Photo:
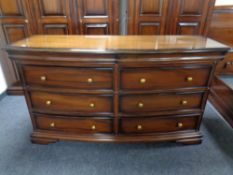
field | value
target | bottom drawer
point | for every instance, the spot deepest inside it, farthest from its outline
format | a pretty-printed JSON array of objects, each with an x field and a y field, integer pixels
[
  {"x": 152, "y": 125},
  {"x": 79, "y": 125}
]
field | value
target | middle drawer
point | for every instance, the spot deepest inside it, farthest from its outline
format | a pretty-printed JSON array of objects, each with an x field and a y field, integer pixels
[
  {"x": 68, "y": 103},
  {"x": 159, "y": 102}
]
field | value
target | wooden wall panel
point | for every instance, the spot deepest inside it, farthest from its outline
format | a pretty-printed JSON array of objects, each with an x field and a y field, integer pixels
[
  {"x": 221, "y": 29},
  {"x": 97, "y": 17},
  {"x": 147, "y": 17},
  {"x": 53, "y": 16},
  {"x": 221, "y": 26},
  {"x": 190, "y": 17},
  {"x": 15, "y": 20}
]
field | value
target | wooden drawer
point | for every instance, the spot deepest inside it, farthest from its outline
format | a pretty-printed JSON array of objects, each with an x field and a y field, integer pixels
[
  {"x": 80, "y": 125},
  {"x": 151, "y": 125},
  {"x": 226, "y": 66},
  {"x": 69, "y": 77},
  {"x": 159, "y": 102},
  {"x": 162, "y": 78},
  {"x": 68, "y": 103}
]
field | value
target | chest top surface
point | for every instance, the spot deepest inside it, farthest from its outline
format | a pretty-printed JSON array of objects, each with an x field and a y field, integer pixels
[{"x": 117, "y": 44}]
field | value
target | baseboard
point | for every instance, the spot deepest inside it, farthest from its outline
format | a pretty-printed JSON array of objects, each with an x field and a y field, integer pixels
[{"x": 15, "y": 89}]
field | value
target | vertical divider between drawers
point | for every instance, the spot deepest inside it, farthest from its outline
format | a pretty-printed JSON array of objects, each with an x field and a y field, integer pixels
[{"x": 116, "y": 98}]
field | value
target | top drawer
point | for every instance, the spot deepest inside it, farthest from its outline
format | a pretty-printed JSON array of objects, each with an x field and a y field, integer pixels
[
  {"x": 80, "y": 78},
  {"x": 156, "y": 78}
]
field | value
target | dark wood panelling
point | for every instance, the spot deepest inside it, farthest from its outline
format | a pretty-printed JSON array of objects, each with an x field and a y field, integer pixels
[
  {"x": 53, "y": 17},
  {"x": 97, "y": 17},
  {"x": 15, "y": 32},
  {"x": 11, "y": 8},
  {"x": 221, "y": 26},
  {"x": 147, "y": 17},
  {"x": 96, "y": 29},
  {"x": 16, "y": 24},
  {"x": 190, "y": 17},
  {"x": 183, "y": 17}
]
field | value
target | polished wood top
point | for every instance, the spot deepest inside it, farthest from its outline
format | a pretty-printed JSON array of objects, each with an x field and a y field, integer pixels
[{"x": 116, "y": 44}]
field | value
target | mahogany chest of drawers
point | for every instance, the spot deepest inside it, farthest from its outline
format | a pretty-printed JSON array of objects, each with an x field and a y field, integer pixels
[{"x": 116, "y": 88}]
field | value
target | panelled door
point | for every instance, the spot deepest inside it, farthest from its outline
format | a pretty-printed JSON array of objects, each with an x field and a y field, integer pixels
[
  {"x": 97, "y": 17},
  {"x": 53, "y": 16},
  {"x": 147, "y": 17},
  {"x": 189, "y": 17},
  {"x": 15, "y": 19}
]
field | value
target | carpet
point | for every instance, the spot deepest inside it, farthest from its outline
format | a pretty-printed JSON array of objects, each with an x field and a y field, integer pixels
[{"x": 19, "y": 157}]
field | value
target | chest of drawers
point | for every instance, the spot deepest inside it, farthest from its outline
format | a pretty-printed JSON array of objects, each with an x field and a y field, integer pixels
[{"x": 116, "y": 88}]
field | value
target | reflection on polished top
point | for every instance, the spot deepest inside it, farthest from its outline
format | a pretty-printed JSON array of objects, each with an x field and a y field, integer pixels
[{"x": 105, "y": 44}]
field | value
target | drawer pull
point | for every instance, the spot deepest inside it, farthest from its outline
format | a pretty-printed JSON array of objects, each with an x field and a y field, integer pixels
[
  {"x": 43, "y": 78},
  {"x": 48, "y": 103},
  {"x": 52, "y": 125},
  {"x": 26, "y": 21},
  {"x": 139, "y": 127},
  {"x": 92, "y": 105},
  {"x": 140, "y": 105},
  {"x": 142, "y": 80},
  {"x": 184, "y": 102},
  {"x": 93, "y": 127},
  {"x": 180, "y": 125},
  {"x": 189, "y": 79},
  {"x": 90, "y": 80}
]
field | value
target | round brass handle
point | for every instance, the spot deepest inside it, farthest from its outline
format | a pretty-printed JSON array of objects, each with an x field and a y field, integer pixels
[
  {"x": 93, "y": 127},
  {"x": 26, "y": 20},
  {"x": 139, "y": 127},
  {"x": 48, "y": 102},
  {"x": 92, "y": 105},
  {"x": 190, "y": 79},
  {"x": 43, "y": 78},
  {"x": 140, "y": 105},
  {"x": 52, "y": 125},
  {"x": 90, "y": 80},
  {"x": 180, "y": 125},
  {"x": 142, "y": 80},
  {"x": 184, "y": 102}
]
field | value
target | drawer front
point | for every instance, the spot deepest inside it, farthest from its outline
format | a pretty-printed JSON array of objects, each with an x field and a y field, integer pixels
[
  {"x": 155, "y": 78},
  {"x": 151, "y": 125},
  {"x": 74, "y": 124},
  {"x": 51, "y": 102},
  {"x": 79, "y": 78},
  {"x": 158, "y": 102}
]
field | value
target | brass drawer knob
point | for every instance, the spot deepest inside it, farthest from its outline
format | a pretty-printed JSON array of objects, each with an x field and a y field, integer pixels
[
  {"x": 93, "y": 127},
  {"x": 142, "y": 80},
  {"x": 43, "y": 78},
  {"x": 52, "y": 125},
  {"x": 140, "y": 105},
  {"x": 139, "y": 127},
  {"x": 92, "y": 105},
  {"x": 189, "y": 79},
  {"x": 90, "y": 80},
  {"x": 48, "y": 102},
  {"x": 180, "y": 125},
  {"x": 184, "y": 102},
  {"x": 26, "y": 21}
]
